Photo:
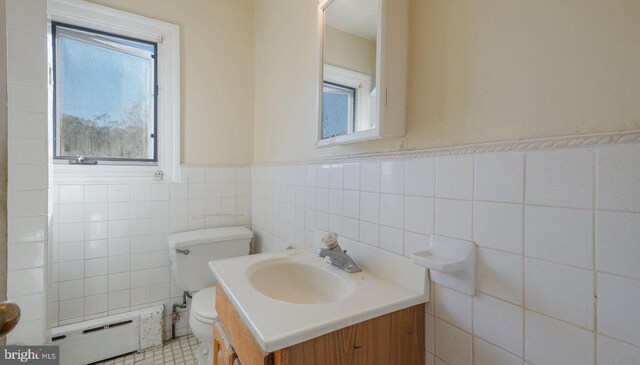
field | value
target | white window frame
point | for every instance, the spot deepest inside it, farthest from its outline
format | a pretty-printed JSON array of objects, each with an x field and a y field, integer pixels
[
  {"x": 359, "y": 81},
  {"x": 167, "y": 36}
]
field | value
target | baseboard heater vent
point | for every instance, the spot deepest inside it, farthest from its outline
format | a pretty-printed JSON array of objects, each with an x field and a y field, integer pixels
[{"x": 103, "y": 338}]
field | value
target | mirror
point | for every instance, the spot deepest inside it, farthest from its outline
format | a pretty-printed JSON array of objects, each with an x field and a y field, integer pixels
[
  {"x": 362, "y": 88},
  {"x": 349, "y": 102}
]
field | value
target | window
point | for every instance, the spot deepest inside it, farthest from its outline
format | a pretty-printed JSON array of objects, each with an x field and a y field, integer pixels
[
  {"x": 105, "y": 99},
  {"x": 117, "y": 94},
  {"x": 346, "y": 102},
  {"x": 338, "y": 109}
]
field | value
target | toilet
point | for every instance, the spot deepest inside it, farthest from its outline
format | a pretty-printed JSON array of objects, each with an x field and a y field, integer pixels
[{"x": 190, "y": 253}]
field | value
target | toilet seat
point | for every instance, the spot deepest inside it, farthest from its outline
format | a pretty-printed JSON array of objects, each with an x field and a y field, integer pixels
[{"x": 203, "y": 305}]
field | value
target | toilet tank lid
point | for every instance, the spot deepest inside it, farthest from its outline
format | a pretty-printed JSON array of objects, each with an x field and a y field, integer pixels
[{"x": 193, "y": 238}]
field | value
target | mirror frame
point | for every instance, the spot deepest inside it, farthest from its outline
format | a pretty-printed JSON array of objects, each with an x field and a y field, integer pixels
[{"x": 391, "y": 74}]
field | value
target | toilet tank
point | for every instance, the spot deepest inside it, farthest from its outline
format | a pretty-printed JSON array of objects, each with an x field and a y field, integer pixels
[{"x": 190, "y": 253}]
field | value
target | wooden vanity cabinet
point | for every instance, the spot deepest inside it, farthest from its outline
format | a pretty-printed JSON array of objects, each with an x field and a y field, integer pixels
[{"x": 394, "y": 338}]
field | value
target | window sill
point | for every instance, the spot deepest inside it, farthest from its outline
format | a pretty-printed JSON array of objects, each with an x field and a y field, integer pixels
[
  {"x": 356, "y": 137},
  {"x": 96, "y": 174}
]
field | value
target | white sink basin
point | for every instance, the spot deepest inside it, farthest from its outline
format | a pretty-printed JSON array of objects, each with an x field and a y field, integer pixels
[
  {"x": 295, "y": 282},
  {"x": 290, "y": 297}
]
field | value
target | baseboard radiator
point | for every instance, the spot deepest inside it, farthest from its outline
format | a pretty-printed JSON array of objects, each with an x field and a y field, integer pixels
[{"x": 103, "y": 338}]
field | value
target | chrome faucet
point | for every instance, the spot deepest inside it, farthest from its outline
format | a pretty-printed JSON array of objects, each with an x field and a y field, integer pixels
[{"x": 336, "y": 255}]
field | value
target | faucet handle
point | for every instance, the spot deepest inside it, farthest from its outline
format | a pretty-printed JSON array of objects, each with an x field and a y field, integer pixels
[{"x": 330, "y": 240}]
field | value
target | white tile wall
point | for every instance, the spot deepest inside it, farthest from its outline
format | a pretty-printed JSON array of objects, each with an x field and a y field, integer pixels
[
  {"x": 29, "y": 211},
  {"x": 111, "y": 250},
  {"x": 557, "y": 235}
]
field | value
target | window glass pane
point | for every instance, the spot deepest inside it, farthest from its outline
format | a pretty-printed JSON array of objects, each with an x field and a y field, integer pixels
[
  {"x": 337, "y": 110},
  {"x": 105, "y": 97}
]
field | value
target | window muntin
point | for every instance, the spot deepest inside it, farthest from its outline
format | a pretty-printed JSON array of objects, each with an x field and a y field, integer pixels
[{"x": 105, "y": 96}]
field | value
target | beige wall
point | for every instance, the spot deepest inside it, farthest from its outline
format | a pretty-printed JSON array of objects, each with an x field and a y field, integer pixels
[
  {"x": 348, "y": 51},
  {"x": 478, "y": 72},
  {"x": 217, "y": 81}
]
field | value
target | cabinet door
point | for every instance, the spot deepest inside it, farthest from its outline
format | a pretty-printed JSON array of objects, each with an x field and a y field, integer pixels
[
  {"x": 341, "y": 347},
  {"x": 395, "y": 338}
]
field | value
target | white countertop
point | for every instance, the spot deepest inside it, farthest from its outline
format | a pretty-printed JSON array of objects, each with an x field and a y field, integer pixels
[{"x": 387, "y": 283}]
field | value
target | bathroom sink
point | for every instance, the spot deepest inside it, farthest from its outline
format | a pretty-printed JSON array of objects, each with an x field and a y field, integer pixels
[
  {"x": 297, "y": 282},
  {"x": 288, "y": 297}
]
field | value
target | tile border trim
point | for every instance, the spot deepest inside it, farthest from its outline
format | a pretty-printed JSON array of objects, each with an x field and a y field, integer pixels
[{"x": 533, "y": 144}]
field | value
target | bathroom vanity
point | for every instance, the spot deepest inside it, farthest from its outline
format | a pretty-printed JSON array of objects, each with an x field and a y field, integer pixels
[
  {"x": 293, "y": 308},
  {"x": 394, "y": 338}
]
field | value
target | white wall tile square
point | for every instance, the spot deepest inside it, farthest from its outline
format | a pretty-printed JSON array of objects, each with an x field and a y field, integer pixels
[
  {"x": 96, "y": 212},
  {"x": 454, "y": 177},
  {"x": 617, "y": 247},
  {"x": 95, "y": 304},
  {"x": 25, "y": 255},
  {"x": 560, "y": 178},
  {"x": 26, "y": 150},
  {"x": 618, "y": 314},
  {"x": 454, "y": 307},
  {"x": 500, "y": 274},
  {"x": 392, "y": 177},
  {"x": 96, "y": 194},
  {"x": 352, "y": 176},
  {"x": 420, "y": 177},
  {"x": 392, "y": 210},
  {"x": 351, "y": 228},
  {"x": 498, "y": 226},
  {"x": 562, "y": 292},
  {"x": 486, "y": 354},
  {"x": 336, "y": 177},
  {"x": 322, "y": 199},
  {"x": 499, "y": 177},
  {"x": 179, "y": 191},
  {"x": 70, "y": 252},
  {"x": 391, "y": 239},
  {"x": 72, "y": 308},
  {"x": 454, "y": 218},
  {"x": 118, "y": 299},
  {"x": 95, "y": 285},
  {"x": 322, "y": 177},
  {"x": 370, "y": 176},
  {"x": 612, "y": 352},
  {"x": 548, "y": 341},
  {"x": 142, "y": 192},
  {"x": 370, "y": 234},
  {"x": 351, "y": 204},
  {"x": 160, "y": 192},
  {"x": 25, "y": 282},
  {"x": 560, "y": 235},
  {"x": 618, "y": 173},
  {"x": 119, "y": 193},
  {"x": 370, "y": 207},
  {"x": 71, "y": 289},
  {"x": 71, "y": 194},
  {"x": 96, "y": 230},
  {"x": 118, "y": 211},
  {"x": 97, "y": 267},
  {"x": 418, "y": 214},
  {"x": 118, "y": 281},
  {"x": 499, "y": 323},
  {"x": 453, "y": 345}
]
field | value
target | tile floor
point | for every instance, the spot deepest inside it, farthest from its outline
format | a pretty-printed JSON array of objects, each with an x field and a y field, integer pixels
[{"x": 179, "y": 351}]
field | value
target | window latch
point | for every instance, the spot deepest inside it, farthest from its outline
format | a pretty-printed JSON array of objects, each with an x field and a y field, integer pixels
[{"x": 82, "y": 161}]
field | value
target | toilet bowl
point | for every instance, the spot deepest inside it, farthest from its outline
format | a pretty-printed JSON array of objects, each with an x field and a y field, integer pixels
[
  {"x": 201, "y": 317},
  {"x": 190, "y": 253}
]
